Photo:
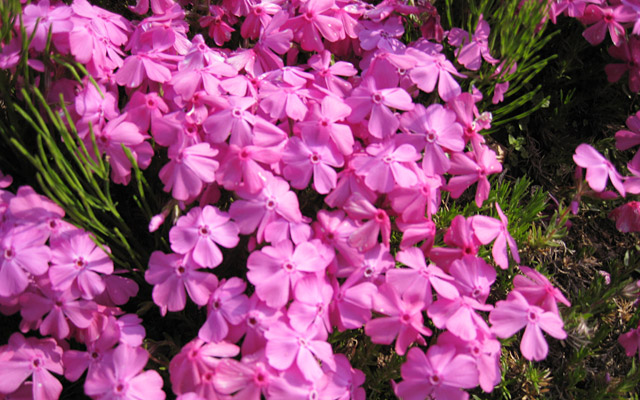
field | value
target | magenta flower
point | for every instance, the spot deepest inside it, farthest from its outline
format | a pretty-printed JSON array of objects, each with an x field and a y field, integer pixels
[
  {"x": 419, "y": 278},
  {"x": 440, "y": 131},
  {"x": 228, "y": 305},
  {"x": 23, "y": 253},
  {"x": 459, "y": 316},
  {"x": 509, "y": 316},
  {"x": 171, "y": 274},
  {"x": 188, "y": 170},
  {"x": 76, "y": 261},
  {"x": 403, "y": 319},
  {"x": 630, "y": 341},
  {"x": 434, "y": 68},
  {"x": 60, "y": 308},
  {"x": 57, "y": 19},
  {"x": 30, "y": 357},
  {"x": 626, "y": 139},
  {"x": 352, "y": 302},
  {"x": 487, "y": 229},
  {"x": 470, "y": 168},
  {"x": 473, "y": 277},
  {"x": 248, "y": 379},
  {"x": 605, "y": 19},
  {"x": 322, "y": 124},
  {"x": 314, "y": 23},
  {"x": 257, "y": 211},
  {"x": 599, "y": 169},
  {"x": 627, "y": 217},
  {"x": 275, "y": 270},
  {"x": 471, "y": 53},
  {"x": 366, "y": 236},
  {"x": 306, "y": 156},
  {"x": 121, "y": 377},
  {"x": 440, "y": 374},
  {"x": 194, "y": 368},
  {"x": 388, "y": 164},
  {"x": 287, "y": 347},
  {"x": 538, "y": 291},
  {"x": 376, "y": 100},
  {"x": 198, "y": 232},
  {"x": 381, "y": 35}
]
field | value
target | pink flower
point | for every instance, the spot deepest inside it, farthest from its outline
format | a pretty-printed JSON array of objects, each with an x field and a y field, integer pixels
[
  {"x": 228, "y": 305},
  {"x": 419, "y": 278},
  {"x": 275, "y": 201},
  {"x": 286, "y": 347},
  {"x": 275, "y": 270},
  {"x": 315, "y": 23},
  {"x": 60, "y": 308},
  {"x": 440, "y": 374},
  {"x": 171, "y": 274},
  {"x": 440, "y": 131},
  {"x": 599, "y": 169},
  {"x": 121, "y": 377},
  {"x": 388, "y": 165},
  {"x": 471, "y": 52},
  {"x": 509, "y": 316},
  {"x": 606, "y": 18},
  {"x": 487, "y": 229},
  {"x": 366, "y": 236},
  {"x": 188, "y": 170},
  {"x": 306, "y": 156},
  {"x": 538, "y": 291},
  {"x": 23, "y": 252},
  {"x": 39, "y": 18},
  {"x": 76, "y": 262},
  {"x": 626, "y": 139},
  {"x": 198, "y": 232},
  {"x": 630, "y": 341},
  {"x": 30, "y": 357},
  {"x": 193, "y": 369},
  {"x": 470, "y": 168},
  {"x": 376, "y": 100},
  {"x": 627, "y": 217},
  {"x": 247, "y": 379},
  {"x": 403, "y": 319}
]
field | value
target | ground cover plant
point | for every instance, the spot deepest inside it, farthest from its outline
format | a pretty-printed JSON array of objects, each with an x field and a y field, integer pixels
[{"x": 319, "y": 199}]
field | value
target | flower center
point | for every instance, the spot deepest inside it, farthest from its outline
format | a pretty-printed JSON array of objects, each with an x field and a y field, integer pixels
[
  {"x": 532, "y": 316},
  {"x": 271, "y": 204},
  {"x": 377, "y": 98},
  {"x": 405, "y": 318},
  {"x": 9, "y": 253},
  {"x": 314, "y": 158},
  {"x": 80, "y": 262},
  {"x": 36, "y": 363},
  {"x": 236, "y": 112},
  {"x": 288, "y": 267},
  {"x": 181, "y": 270},
  {"x": 435, "y": 380},
  {"x": 151, "y": 103},
  {"x": 431, "y": 136},
  {"x": 203, "y": 230},
  {"x": 380, "y": 216}
]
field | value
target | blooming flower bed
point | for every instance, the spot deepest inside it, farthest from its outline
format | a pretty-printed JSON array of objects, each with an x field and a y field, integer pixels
[{"x": 236, "y": 194}]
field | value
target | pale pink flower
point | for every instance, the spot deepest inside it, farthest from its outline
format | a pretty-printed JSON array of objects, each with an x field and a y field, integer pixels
[
  {"x": 627, "y": 217},
  {"x": 23, "y": 253}
]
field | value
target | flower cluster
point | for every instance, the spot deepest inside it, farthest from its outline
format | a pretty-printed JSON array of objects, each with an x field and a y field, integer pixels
[{"x": 325, "y": 99}]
